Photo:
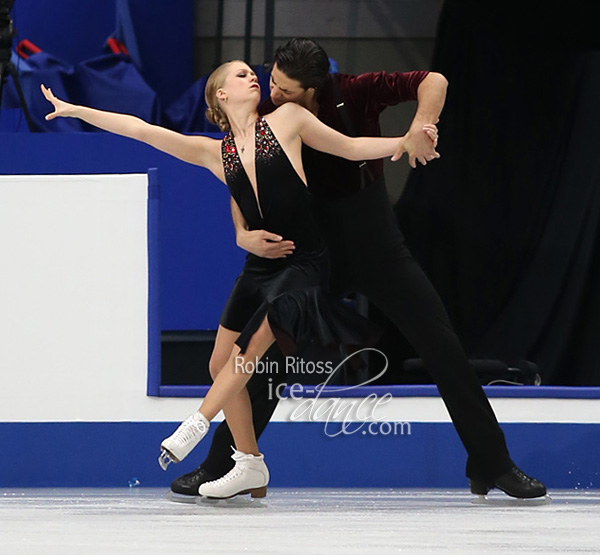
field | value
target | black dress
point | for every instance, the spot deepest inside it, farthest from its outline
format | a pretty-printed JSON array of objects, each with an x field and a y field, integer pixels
[{"x": 291, "y": 292}]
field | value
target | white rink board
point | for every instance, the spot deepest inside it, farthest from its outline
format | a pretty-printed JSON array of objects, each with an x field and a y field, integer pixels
[{"x": 74, "y": 294}]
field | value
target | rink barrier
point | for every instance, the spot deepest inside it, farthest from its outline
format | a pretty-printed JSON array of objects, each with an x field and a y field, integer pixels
[
  {"x": 525, "y": 391},
  {"x": 88, "y": 439},
  {"x": 154, "y": 328},
  {"x": 299, "y": 454}
]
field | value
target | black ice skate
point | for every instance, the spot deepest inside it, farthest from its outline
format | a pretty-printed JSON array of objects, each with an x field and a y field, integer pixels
[
  {"x": 521, "y": 488},
  {"x": 185, "y": 488}
]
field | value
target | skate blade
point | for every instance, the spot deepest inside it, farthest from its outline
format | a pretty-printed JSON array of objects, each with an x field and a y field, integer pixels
[
  {"x": 505, "y": 501},
  {"x": 235, "y": 502},
  {"x": 255, "y": 493},
  {"x": 165, "y": 459},
  {"x": 181, "y": 498}
]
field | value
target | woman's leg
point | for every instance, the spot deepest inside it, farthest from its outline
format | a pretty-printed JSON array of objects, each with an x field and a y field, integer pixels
[
  {"x": 228, "y": 392},
  {"x": 225, "y": 394},
  {"x": 237, "y": 410},
  {"x": 236, "y": 372},
  {"x": 224, "y": 344}
]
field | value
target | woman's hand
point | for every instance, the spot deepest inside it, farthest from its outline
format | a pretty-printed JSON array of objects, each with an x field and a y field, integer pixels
[
  {"x": 407, "y": 144},
  {"x": 61, "y": 108},
  {"x": 432, "y": 132},
  {"x": 201, "y": 151}
]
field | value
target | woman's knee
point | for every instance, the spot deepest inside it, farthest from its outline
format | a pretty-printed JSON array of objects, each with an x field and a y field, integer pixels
[
  {"x": 216, "y": 363},
  {"x": 222, "y": 350}
]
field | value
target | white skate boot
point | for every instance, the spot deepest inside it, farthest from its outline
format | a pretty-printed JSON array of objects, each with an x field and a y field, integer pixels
[
  {"x": 249, "y": 475},
  {"x": 177, "y": 446}
]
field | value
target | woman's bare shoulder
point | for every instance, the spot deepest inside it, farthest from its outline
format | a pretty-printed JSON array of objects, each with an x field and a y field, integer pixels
[
  {"x": 287, "y": 110},
  {"x": 287, "y": 119},
  {"x": 290, "y": 107}
]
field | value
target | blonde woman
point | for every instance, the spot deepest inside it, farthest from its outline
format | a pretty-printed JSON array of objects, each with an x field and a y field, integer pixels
[{"x": 281, "y": 299}]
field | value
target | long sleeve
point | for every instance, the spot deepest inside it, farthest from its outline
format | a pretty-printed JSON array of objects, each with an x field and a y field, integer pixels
[{"x": 377, "y": 90}]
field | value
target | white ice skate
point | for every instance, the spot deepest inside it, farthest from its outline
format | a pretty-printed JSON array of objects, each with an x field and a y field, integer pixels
[
  {"x": 249, "y": 475},
  {"x": 177, "y": 446}
]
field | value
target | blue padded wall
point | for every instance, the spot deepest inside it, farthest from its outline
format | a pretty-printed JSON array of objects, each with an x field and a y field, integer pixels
[{"x": 74, "y": 31}]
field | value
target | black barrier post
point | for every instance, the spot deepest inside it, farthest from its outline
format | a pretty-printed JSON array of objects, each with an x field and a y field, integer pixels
[
  {"x": 248, "y": 32},
  {"x": 269, "y": 30},
  {"x": 219, "y": 33}
]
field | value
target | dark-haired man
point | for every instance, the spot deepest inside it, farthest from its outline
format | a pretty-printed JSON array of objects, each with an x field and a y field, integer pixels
[{"x": 369, "y": 255}]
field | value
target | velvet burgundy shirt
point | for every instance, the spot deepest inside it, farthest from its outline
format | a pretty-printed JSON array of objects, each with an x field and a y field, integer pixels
[{"x": 365, "y": 97}]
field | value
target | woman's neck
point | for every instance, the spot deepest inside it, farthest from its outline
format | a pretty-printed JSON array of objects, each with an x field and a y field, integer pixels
[{"x": 242, "y": 122}]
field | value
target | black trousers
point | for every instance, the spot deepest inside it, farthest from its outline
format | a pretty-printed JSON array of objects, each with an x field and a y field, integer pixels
[{"x": 369, "y": 256}]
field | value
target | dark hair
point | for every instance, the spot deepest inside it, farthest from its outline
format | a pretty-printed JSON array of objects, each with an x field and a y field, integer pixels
[{"x": 303, "y": 60}]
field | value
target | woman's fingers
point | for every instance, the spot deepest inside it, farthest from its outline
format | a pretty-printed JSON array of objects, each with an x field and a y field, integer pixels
[
  {"x": 47, "y": 92},
  {"x": 50, "y": 98},
  {"x": 431, "y": 131},
  {"x": 433, "y": 136}
]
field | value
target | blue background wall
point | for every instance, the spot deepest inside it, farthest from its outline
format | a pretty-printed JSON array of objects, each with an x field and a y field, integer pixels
[{"x": 76, "y": 30}]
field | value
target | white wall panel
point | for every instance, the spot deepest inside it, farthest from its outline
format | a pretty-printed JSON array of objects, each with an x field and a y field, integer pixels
[{"x": 73, "y": 296}]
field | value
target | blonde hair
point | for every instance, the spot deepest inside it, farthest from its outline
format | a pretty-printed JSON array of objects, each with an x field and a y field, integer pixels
[{"x": 215, "y": 81}]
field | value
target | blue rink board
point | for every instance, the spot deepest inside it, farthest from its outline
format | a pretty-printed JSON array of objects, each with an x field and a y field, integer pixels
[{"x": 299, "y": 454}]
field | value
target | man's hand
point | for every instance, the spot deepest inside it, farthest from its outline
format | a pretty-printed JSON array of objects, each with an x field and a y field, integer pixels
[
  {"x": 264, "y": 244},
  {"x": 431, "y": 97}
]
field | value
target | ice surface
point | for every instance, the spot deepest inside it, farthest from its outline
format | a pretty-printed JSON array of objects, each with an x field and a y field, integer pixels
[{"x": 303, "y": 521}]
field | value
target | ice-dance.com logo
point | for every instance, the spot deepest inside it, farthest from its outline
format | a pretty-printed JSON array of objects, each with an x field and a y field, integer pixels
[{"x": 342, "y": 414}]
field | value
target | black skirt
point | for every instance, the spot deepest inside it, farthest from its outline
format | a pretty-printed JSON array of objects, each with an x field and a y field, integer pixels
[{"x": 292, "y": 293}]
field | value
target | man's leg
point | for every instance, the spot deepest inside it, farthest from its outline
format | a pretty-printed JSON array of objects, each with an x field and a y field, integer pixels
[
  {"x": 398, "y": 286},
  {"x": 368, "y": 251}
]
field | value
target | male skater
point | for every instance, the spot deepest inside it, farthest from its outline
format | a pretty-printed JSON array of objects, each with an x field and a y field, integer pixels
[{"x": 369, "y": 255}]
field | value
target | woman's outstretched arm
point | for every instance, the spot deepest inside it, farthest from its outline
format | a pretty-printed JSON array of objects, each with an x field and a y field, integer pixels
[
  {"x": 201, "y": 151},
  {"x": 319, "y": 136}
]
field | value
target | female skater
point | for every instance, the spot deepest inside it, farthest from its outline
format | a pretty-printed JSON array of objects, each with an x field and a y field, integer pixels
[{"x": 279, "y": 300}]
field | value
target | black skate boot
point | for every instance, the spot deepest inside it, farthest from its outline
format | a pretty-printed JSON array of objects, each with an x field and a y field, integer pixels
[
  {"x": 514, "y": 483},
  {"x": 185, "y": 488}
]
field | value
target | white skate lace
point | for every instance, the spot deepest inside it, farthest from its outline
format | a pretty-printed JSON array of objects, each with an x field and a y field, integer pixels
[
  {"x": 240, "y": 459},
  {"x": 188, "y": 431}
]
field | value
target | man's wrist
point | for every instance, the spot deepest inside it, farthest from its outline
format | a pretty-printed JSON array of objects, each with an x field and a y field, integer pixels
[
  {"x": 240, "y": 237},
  {"x": 422, "y": 119}
]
